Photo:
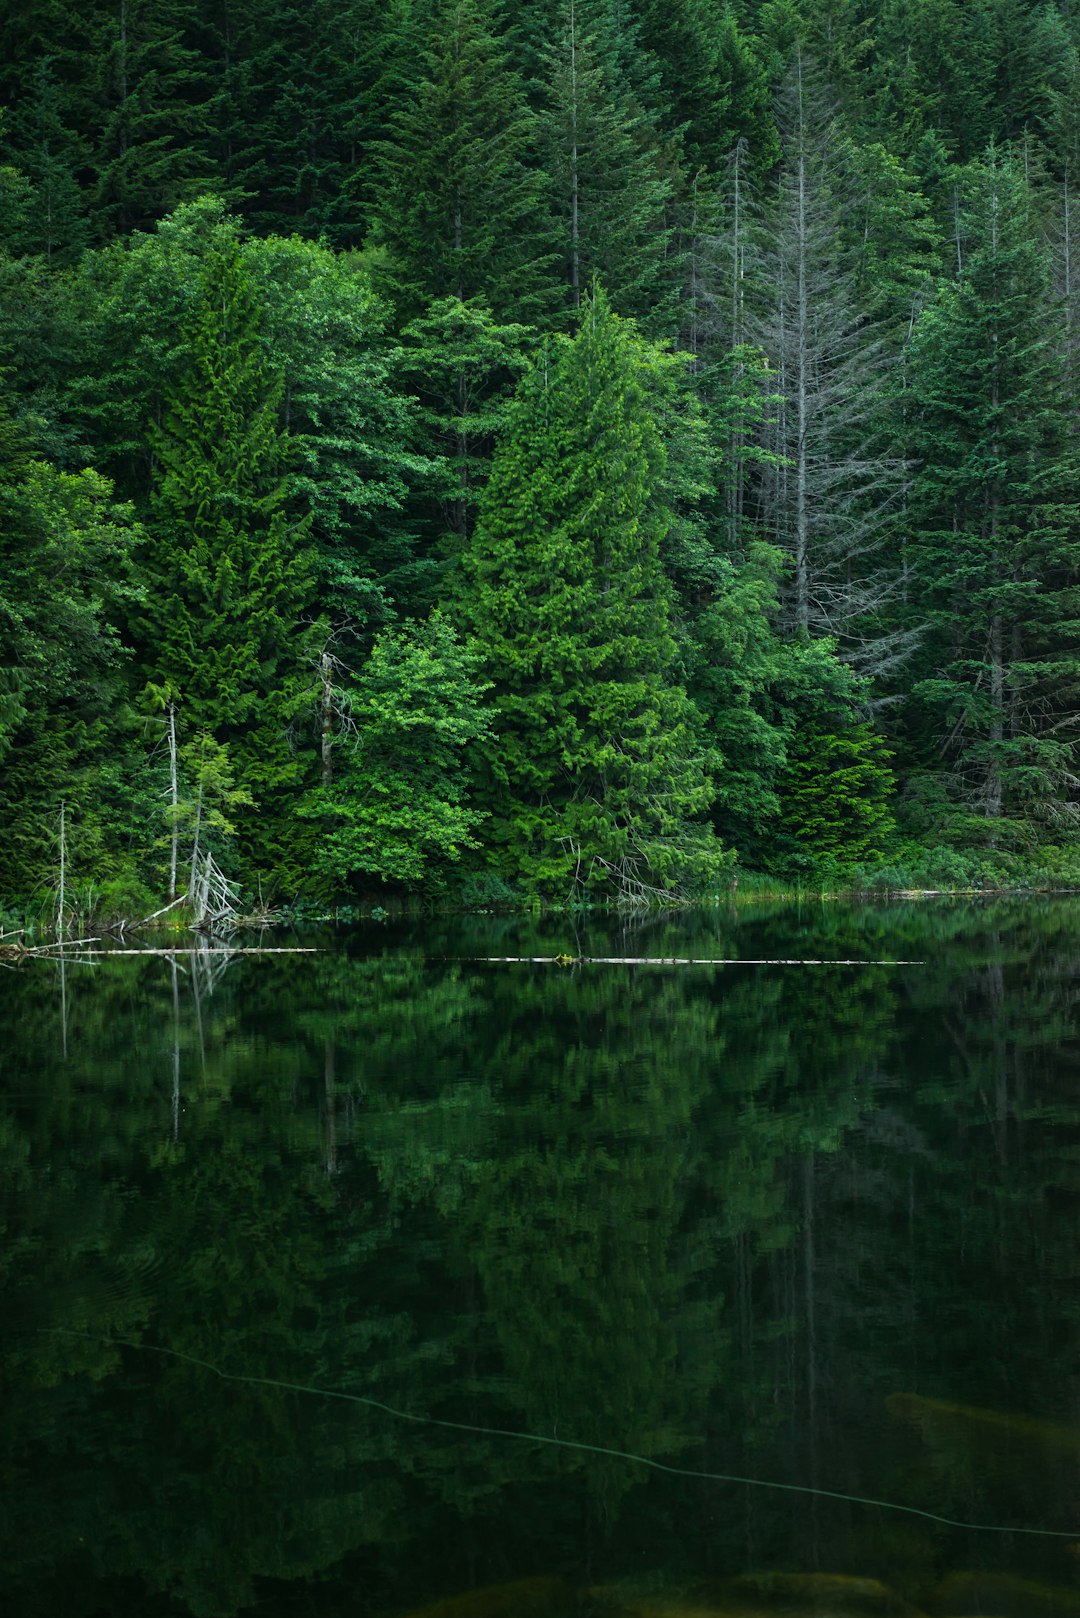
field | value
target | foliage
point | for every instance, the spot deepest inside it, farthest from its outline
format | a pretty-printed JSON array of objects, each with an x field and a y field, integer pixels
[
  {"x": 278, "y": 286},
  {"x": 595, "y": 774},
  {"x": 398, "y": 807}
]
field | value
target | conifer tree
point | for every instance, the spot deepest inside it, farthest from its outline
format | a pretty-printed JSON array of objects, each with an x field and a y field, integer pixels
[
  {"x": 51, "y": 156},
  {"x": 229, "y": 573},
  {"x": 594, "y": 775},
  {"x": 607, "y": 175},
  {"x": 457, "y": 211},
  {"x": 714, "y": 91},
  {"x": 149, "y": 103},
  {"x": 995, "y": 504}
]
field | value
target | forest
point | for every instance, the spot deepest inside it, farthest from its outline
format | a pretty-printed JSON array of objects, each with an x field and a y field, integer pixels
[{"x": 575, "y": 450}]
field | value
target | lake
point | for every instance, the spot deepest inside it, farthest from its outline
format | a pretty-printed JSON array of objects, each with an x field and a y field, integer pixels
[{"x": 404, "y": 1277}]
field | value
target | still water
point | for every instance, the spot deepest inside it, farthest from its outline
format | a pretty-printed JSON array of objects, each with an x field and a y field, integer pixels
[{"x": 332, "y": 1281}]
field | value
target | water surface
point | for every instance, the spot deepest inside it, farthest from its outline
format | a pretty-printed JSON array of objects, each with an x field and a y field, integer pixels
[{"x": 804, "y": 1225}]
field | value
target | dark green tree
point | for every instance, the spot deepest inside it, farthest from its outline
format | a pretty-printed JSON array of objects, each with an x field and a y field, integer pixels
[
  {"x": 607, "y": 173},
  {"x": 995, "y": 507},
  {"x": 228, "y": 568},
  {"x": 459, "y": 198}
]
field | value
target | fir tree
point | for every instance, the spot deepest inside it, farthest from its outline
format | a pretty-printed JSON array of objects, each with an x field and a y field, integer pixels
[
  {"x": 996, "y": 514},
  {"x": 594, "y": 775},
  {"x": 607, "y": 176},
  {"x": 458, "y": 199},
  {"x": 229, "y": 574}
]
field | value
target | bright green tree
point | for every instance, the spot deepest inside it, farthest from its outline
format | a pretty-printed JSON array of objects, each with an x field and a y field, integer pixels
[
  {"x": 594, "y": 775},
  {"x": 396, "y": 806}
]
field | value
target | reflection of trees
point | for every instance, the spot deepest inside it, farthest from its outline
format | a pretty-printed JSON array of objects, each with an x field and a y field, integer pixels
[{"x": 728, "y": 1218}]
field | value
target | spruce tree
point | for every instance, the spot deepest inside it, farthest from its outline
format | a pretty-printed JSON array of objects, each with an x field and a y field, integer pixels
[
  {"x": 594, "y": 776},
  {"x": 147, "y": 104}
]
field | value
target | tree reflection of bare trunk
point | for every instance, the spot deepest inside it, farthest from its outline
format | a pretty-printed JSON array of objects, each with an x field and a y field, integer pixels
[
  {"x": 195, "y": 964},
  {"x": 810, "y": 1306},
  {"x": 176, "y": 1053},
  {"x": 63, "y": 1003},
  {"x": 329, "y": 1082}
]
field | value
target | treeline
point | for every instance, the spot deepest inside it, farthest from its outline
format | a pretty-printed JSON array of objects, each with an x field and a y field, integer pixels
[{"x": 557, "y": 448}]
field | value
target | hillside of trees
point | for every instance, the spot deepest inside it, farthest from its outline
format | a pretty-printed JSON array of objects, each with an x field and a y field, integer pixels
[{"x": 571, "y": 448}]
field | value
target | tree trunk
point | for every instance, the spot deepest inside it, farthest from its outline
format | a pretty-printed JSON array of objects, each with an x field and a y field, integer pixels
[{"x": 174, "y": 800}]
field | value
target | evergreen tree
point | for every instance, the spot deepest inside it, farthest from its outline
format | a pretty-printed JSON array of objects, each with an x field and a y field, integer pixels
[
  {"x": 713, "y": 90},
  {"x": 147, "y": 105},
  {"x": 995, "y": 503},
  {"x": 51, "y": 156},
  {"x": 607, "y": 175},
  {"x": 463, "y": 366},
  {"x": 228, "y": 570},
  {"x": 301, "y": 94},
  {"x": 594, "y": 774},
  {"x": 458, "y": 200}
]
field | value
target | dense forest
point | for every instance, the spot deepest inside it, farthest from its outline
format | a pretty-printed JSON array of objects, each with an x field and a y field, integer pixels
[{"x": 565, "y": 449}]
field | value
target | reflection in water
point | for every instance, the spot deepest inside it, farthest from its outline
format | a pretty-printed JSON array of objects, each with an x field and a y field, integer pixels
[{"x": 817, "y": 1228}]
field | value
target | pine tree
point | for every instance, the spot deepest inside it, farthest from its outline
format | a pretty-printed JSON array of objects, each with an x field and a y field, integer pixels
[
  {"x": 51, "y": 156},
  {"x": 229, "y": 576},
  {"x": 149, "y": 102},
  {"x": 995, "y": 504},
  {"x": 594, "y": 775},
  {"x": 300, "y": 96}
]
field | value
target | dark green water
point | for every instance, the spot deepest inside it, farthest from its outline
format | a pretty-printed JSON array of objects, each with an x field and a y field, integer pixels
[{"x": 811, "y": 1225}]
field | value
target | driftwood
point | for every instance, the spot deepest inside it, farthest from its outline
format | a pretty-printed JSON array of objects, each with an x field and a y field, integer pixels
[
  {"x": 135, "y": 925},
  {"x": 670, "y": 960}
]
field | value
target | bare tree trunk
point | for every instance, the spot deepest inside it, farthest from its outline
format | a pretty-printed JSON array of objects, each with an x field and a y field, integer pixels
[
  {"x": 63, "y": 866},
  {"x": 195, "y": 840},
  {"x": 575, "y": 264},
  {"x": 326, "y": 716},
  {"x": 174, "y": 800}
]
